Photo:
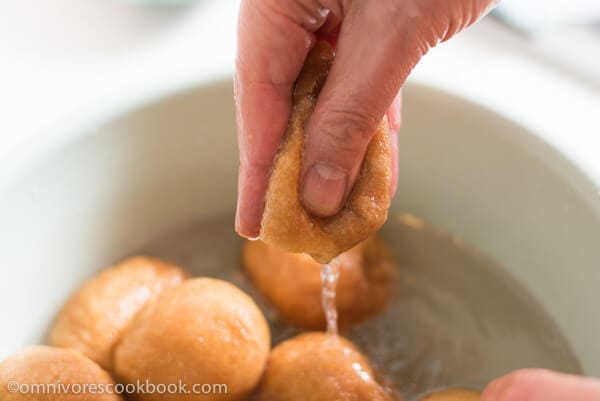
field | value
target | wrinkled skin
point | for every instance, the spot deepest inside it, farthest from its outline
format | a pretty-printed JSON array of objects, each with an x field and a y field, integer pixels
[{"x": 378, "y": 44}]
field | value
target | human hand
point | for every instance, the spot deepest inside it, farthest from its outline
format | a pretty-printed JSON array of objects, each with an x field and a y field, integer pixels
[
  {"x": 542, "y": 385},
  {"x": 378, "y": 44}
]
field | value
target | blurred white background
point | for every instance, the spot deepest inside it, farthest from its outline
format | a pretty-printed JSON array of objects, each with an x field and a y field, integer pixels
[{"x": 535, "y": 61}]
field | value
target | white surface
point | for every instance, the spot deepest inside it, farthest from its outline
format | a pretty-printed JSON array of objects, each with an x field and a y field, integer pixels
[
  {"x": 61, "y": 59},
  {"x": 535, "y": 14},
  {"x": 564, "y": 34}
]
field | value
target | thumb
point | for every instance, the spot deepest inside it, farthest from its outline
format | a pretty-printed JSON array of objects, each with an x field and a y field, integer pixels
[
  {"x": 377, "y": 48},
  {"x": 361, "y": 85}
]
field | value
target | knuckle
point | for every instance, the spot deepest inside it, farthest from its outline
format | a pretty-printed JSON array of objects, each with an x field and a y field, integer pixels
[
  {"x": 347, "y": 130},
  {"x": 528, "y": 376},
  {"x": 255, "y": 166}
]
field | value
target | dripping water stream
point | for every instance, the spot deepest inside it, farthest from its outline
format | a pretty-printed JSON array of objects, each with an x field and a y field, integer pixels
[{"x": 330, "y": 274}]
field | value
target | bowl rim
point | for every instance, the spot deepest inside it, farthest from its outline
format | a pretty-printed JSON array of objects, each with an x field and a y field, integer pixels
[{"x": 86, "y": 121}]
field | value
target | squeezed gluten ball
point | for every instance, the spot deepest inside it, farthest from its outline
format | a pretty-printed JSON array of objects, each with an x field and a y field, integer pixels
[
  {"x": 95, "y": 316},
  {"x": 318, "y": 366},
  {"x": 292, "y": 282},
  {"x": 205, "y": 331},
  {"x": 40, "y": 373},
  {"x": 285, "y": 222},
  {"x": 452, "y": 394}
]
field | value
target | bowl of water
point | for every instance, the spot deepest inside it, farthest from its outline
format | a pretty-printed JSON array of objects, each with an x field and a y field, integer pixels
[{"x": 494, "y": 233}]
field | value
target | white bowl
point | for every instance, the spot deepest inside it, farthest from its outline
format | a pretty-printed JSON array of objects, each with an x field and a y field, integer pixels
[{"x": 72, "y": 205}]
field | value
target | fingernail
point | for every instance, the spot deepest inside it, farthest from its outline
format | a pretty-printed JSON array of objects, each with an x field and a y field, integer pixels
[
  {"x": 323, "y": 12},
  {"x": 324, "y": 189},
  {"x": 243, "y": 232},
  {"x": 242, "y": 227}
]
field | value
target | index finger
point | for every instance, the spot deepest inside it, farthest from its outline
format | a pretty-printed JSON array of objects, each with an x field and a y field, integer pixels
[{"x": 274, "y": 37}]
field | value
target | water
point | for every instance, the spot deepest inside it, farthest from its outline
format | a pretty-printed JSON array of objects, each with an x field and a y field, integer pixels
[
  {"x": 457, "y": 318},
  {"x": 330, "y": 274}
]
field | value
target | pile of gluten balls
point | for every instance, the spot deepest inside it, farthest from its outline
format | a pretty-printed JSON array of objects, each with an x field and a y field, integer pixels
[{"x": 145, "y": 321}]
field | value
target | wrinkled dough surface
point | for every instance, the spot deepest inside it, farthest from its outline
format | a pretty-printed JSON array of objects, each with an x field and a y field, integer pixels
[{"x": 286, "y": 224}]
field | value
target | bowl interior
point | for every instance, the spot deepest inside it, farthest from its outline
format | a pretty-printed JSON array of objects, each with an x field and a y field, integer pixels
[{"x": 137, "y": 176}]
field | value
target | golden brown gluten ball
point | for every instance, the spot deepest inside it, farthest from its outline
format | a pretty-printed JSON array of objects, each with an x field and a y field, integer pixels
[
  {"x": 452, "y": 394},
  {"x": 292, "y": 282},
  {"x": 94, "y": 317},
  {"x": 317, "y": 366},
  {"x": 206, "y": 331},
  {"x": 285, "y": 223},
  {"x": 54, "y": 374}
]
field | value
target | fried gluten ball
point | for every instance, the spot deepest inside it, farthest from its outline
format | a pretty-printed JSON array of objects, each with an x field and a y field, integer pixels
[
  {"x": 94, "y": 317},
  {"x": 292, "y": 282},
  {"x": 54, "y": 374},
  {"x": 285, "y": 223},
  {"x": 452, "y": 394},
  {"x": 318, "y": 366},
  {"x": 205, "y": 331}
]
